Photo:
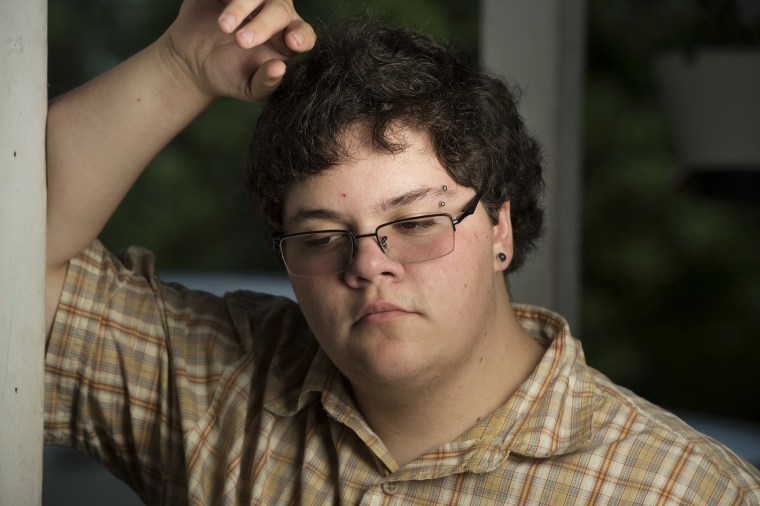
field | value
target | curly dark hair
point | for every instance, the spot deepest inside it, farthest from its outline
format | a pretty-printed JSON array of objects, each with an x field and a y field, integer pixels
[{"x": 366, "y": 73}]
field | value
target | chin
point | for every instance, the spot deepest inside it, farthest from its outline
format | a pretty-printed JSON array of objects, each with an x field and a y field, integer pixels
[{"x": 393, "y": 363}]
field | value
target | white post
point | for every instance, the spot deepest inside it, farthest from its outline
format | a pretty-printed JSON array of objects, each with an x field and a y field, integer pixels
[
  {"x": 539, "y": 44},
  {"x": 23, "y": 109}
]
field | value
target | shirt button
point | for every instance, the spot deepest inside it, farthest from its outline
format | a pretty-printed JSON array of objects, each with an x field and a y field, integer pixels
[{"x": 390, "y": 488}]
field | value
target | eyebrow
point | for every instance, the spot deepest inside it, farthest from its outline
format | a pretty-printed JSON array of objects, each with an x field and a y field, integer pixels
[
  {"x": 303, "y": 214},
  {"x": 412, "y": 197}
]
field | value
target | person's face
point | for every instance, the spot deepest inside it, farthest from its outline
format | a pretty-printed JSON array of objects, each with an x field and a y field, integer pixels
[{"x": 382, "y": 322}]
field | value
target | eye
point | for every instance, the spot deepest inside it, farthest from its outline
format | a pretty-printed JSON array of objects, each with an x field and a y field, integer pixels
[
  {"x": 418, "y": 226},
  {"x": 324, "y": 240}
]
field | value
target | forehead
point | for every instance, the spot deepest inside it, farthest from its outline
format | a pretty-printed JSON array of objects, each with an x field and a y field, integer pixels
[{"x": 368, "y": 179}]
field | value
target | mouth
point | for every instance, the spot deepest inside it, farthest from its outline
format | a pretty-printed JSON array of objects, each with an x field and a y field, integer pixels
[{"x": 380, "y": 312}]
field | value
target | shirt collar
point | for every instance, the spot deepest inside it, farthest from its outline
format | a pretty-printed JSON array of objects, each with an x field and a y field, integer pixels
[
  {"x": 550, "y": 414},
  {"x": 315, "y": 384}
]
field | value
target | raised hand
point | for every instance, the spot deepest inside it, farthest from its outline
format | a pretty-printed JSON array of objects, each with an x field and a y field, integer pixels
[{"x": 238, "y": 49}]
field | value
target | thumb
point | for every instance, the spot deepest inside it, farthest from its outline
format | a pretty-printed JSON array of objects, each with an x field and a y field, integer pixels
[{"x": 265, "y": 80}]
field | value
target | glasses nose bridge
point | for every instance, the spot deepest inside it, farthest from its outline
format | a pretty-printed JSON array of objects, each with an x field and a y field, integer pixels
[{"x": 355, "y": 242}]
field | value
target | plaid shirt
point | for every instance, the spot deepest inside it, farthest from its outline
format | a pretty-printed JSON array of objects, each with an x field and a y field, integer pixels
[{"x": 197, "y": 399}]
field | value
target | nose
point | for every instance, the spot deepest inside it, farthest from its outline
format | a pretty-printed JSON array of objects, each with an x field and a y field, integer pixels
[
  {"x": 369, "y": 264},
  {"x": 379, "y": 240}
]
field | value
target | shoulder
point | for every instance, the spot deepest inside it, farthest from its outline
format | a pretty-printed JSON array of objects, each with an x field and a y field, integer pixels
[
  {"x": 122, "y": 297},
  {"x": 607, "y": 445},
  {"x": 647, "y": 441}
]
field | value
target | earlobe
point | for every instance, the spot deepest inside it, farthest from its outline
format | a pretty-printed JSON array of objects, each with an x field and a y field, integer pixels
[{"x": 502, "y": 239}]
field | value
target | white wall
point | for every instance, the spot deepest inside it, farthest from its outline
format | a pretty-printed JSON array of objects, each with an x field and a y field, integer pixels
[
  {"x": 540, "y": 44},
  {"x": 23, "y": 109}
]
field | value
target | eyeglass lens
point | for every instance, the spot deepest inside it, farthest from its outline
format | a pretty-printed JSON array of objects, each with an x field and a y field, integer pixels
[{"x": 405, "y": 241}]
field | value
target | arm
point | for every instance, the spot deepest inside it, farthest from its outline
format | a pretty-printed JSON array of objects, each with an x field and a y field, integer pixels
[{"x": 101, "y": 136}]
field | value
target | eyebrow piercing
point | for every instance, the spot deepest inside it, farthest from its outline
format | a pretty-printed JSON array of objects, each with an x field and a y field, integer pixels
[{"x": 444, "y": 188}]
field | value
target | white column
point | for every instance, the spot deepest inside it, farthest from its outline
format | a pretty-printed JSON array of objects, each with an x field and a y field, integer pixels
[
  {"x": 23, "y": 109},
  {"x": 540, "y": 44}
]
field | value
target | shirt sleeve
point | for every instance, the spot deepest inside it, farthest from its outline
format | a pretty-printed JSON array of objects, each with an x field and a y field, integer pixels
[{"x": 132, "y": 364}]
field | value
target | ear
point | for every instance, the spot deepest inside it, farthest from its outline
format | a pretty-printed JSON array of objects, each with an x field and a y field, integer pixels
[{"x": 502, "y": 239}]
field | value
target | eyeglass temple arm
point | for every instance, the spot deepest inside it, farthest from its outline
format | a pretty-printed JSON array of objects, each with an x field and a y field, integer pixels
[{"x": 470, "y": 209}]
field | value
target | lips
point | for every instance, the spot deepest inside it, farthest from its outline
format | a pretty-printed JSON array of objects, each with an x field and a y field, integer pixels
[{"x": 379, "y": 311}]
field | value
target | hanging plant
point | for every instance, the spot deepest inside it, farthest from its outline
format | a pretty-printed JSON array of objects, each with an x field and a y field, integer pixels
[{"x": 710, "y": 91}]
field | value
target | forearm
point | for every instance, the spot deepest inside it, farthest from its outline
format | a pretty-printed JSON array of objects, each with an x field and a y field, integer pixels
[{"x": 101, "y": 136}]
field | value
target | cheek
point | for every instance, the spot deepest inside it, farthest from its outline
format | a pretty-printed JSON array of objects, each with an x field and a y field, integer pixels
[
  {"x": 469, "y": 273},
  {"x": 457, "y": 283}
]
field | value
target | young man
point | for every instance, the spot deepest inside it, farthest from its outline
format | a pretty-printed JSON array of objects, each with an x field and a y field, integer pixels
[{"x": 399, "y": 185}]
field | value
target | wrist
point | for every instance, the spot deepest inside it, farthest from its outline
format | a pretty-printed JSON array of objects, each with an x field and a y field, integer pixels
[{"x": 182, "y": 85}]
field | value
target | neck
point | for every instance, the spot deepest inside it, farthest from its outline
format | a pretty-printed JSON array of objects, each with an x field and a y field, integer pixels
[{"x": 414, "y": 419}]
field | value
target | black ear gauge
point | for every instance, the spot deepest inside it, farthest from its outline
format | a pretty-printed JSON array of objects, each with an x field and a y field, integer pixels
[{"x": 502, "y": 257}]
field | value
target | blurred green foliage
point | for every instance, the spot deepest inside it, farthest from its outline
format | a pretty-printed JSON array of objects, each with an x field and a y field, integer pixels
[{"x": 671, "y": 280}]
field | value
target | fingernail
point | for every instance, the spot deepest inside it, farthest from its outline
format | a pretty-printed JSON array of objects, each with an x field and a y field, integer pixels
[
  {"x": 228, "y": 22},
  {"x": 297, "y": 38},
  {"x": 246, "y": 37}
]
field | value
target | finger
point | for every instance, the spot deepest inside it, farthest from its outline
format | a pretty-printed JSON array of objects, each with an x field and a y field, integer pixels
[
  {"x": 273, "y": 17},
  {"x": 266, "y": 79},
  {"x": 235, "y": 13},
  {"x": 300, "y": 36}
]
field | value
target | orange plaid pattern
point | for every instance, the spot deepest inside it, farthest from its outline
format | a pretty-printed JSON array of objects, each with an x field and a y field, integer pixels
[{"x": 197, "y": 399}]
